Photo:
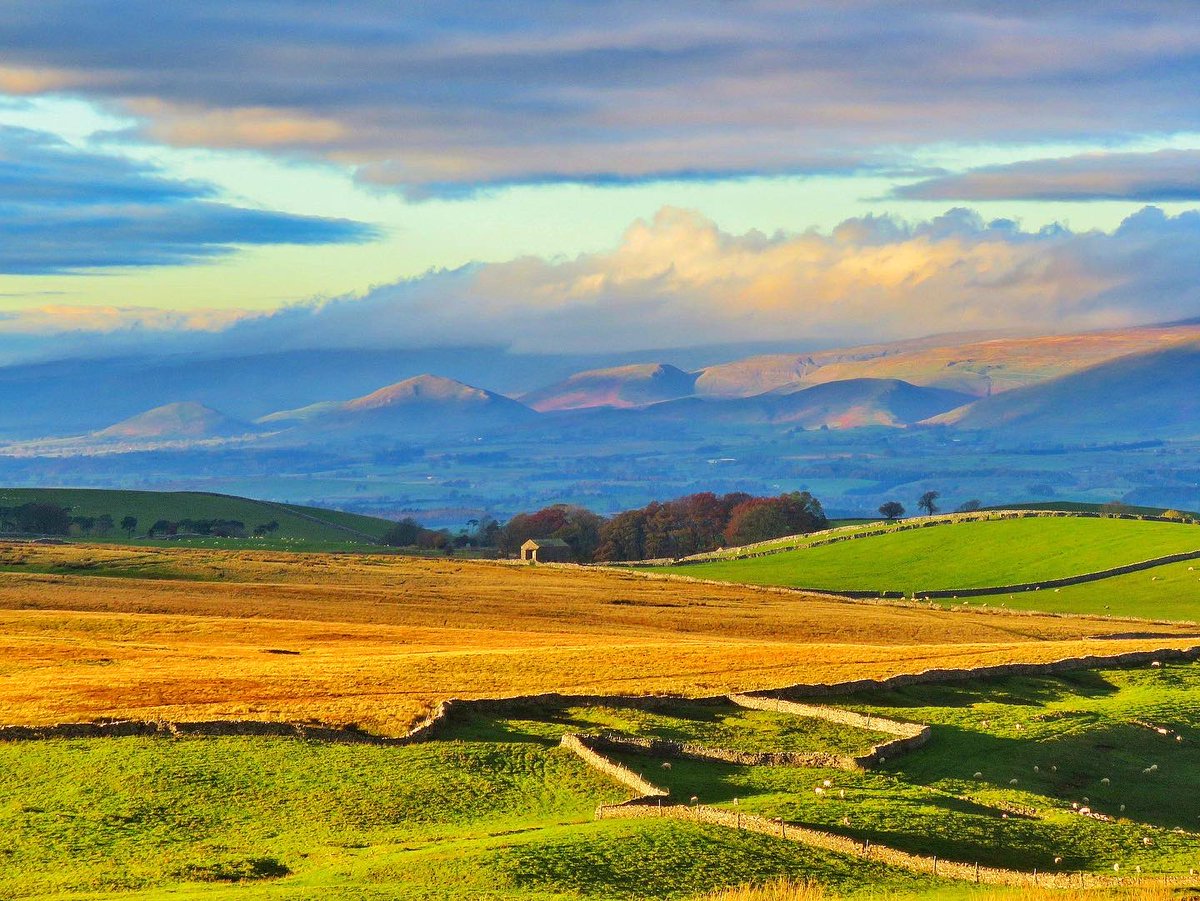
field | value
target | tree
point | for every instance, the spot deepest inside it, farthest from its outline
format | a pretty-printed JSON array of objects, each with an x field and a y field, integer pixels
[
  {"x": 42, "y": 519},
  {"x": 163, "y": 527},
  {"x": 764, "y": 518},
  {"x": 928, "y": 502},
  {"x": 104, "y": 524},
  {"x": 891, "y": 510},
  {"x": 969, "y": 506},
  {"x": 405, "y": 533},
  {"x": 129, "y": 524}
]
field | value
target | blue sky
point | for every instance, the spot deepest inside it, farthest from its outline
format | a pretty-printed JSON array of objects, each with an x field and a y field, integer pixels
[{"x": 219, "y": 167}]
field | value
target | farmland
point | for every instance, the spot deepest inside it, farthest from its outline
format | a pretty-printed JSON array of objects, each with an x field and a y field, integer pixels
[
  {"x": 969, "y": 554},
  {"x": 379, "y": 640},
  {"x": 493, "y": 807}
]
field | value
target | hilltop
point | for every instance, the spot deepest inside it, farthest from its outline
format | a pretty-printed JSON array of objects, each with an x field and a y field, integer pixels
[
  {"x": 425, "y": 402},
  {"x": 1151, "y": 394},
  {"x": 619, "y": 386},
  {"x": 181, "y": 420}
]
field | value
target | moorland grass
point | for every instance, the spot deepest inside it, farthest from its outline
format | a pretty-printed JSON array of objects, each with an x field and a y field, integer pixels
[
  {"x": 380, "y": 640},
  {"x": 970, "y": 554}
]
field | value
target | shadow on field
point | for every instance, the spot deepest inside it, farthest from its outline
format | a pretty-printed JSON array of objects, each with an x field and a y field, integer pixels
[{"x": 1028, "y": 691}]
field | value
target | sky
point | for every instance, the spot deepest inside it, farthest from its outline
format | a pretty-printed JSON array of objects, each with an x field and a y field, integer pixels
[{"x": 592, "y": 176}]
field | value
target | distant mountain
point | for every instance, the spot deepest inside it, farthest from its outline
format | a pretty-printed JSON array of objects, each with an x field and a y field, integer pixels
[
  {"x": 849, "y": 404},
  {"x": 619, "y": 386},
  {"x": 185, "y": 420},
  {"x": 972, "y": 364},
  {"x": 425, "y": 404},
  {"x": 1144, "y": 395}
]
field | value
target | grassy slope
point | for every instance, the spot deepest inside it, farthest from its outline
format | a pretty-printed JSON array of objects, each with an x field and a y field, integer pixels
[
  {"x": 1169, "y": 592},
  {"x": 295, "y": 522},
  {"x": 963, "y": 555},
  {"x": 931, "y": 802},
  {"x": 293, "y": 819},
  {"x": 720, "y": 725}
]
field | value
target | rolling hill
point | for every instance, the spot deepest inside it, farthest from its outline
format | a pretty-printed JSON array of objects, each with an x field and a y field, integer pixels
[
  {"x": 970, "y": 364},
  {"x": 854, "y": 403},
  {"x": 296, "y": 523},
  {"x": 1141, "y": 395},
  {"x": 425, "y": 403},
  {"x": 965, "y": 555},
  {"x": 175, "y": 421},
  {"x": 619, "y": 386}
]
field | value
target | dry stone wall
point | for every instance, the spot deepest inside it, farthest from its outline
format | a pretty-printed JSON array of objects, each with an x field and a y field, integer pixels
[{"x": 967, "y": 872}]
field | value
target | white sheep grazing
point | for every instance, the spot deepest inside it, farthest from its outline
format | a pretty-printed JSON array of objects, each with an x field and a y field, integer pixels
[
  {"x": 1057, "y": 860},
  {"x": 666, "y": 765},
  {"x": 1147, "y": 841},
  {"x": 695, "y": 799},
  {"x": 1105, "y": 781},
  {"x": 1012, "y": 781},
  {"x": 828, "y": 783},
  {"x": 1035, "y": 768},
  {"x": 979, "y": 775},
  {"x": 818, "y": 790}
]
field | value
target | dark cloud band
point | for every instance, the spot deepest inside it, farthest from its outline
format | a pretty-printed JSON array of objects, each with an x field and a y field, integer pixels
[
  {"x": 64, "y": 210},
  {"x": 440, "y": 98}
]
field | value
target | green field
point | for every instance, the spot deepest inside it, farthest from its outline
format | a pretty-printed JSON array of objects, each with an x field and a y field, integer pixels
[
  {"x": 971, "y": 554},
  {"x": 1059, "y": 738},
  {"x": 270, "y": 818},
  {"x": 1170, "y": 592},
  {"x": 307, "y": 527},
  {"x": 496, "y": 810},
  {"x": 722, "y": 725}
]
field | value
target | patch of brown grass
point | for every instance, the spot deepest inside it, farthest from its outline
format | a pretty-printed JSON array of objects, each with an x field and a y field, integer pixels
[{"x": 382, "y": 639}]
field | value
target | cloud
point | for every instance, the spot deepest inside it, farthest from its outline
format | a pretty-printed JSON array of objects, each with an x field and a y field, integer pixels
[
  {"x": 1156, "y": 177},
  {"x": 443, "y": 98},
  {"x": 66, "y": 210},
  {"x": 678, "y": 280}
]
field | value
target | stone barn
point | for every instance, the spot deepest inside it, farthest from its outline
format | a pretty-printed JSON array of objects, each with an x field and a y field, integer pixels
[{"x": 546, "y": 550}]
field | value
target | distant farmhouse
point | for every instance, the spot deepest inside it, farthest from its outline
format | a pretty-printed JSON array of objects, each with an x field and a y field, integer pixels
[{"x": 546, "y": 550}]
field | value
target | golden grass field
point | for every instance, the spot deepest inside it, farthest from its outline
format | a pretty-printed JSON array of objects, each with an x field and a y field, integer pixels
[{"x": 184, "y": 634}]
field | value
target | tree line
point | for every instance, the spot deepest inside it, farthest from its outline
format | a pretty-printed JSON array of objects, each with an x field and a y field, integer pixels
[{"x": 687, "y": 525}]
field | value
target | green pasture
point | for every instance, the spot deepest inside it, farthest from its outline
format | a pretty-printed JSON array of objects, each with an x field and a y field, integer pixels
[
  {"x": 971, "y": 554},
  {"x": 721, "y": 725},
  {"x": 1008, "y": 760},
  {"x": 1170, "y": 592},
  {"x": 301, "y": 526},
  {"x": 270, "y": 818}
]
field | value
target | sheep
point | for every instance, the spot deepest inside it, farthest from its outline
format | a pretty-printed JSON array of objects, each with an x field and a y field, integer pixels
[
  {"x": 1012, "y": 781},
  {"x": 1057, "y": 861},
  {"x": 1147, "y": 841},
  {"x": 978, "y": 775},
  {"x": 666, "y": 765},
  {"x": 1105, "y": 781},
  {"x": 819, "y": 791},
  {"x": 828, "y": 783},
  {"x": 695, "y": 799}
]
